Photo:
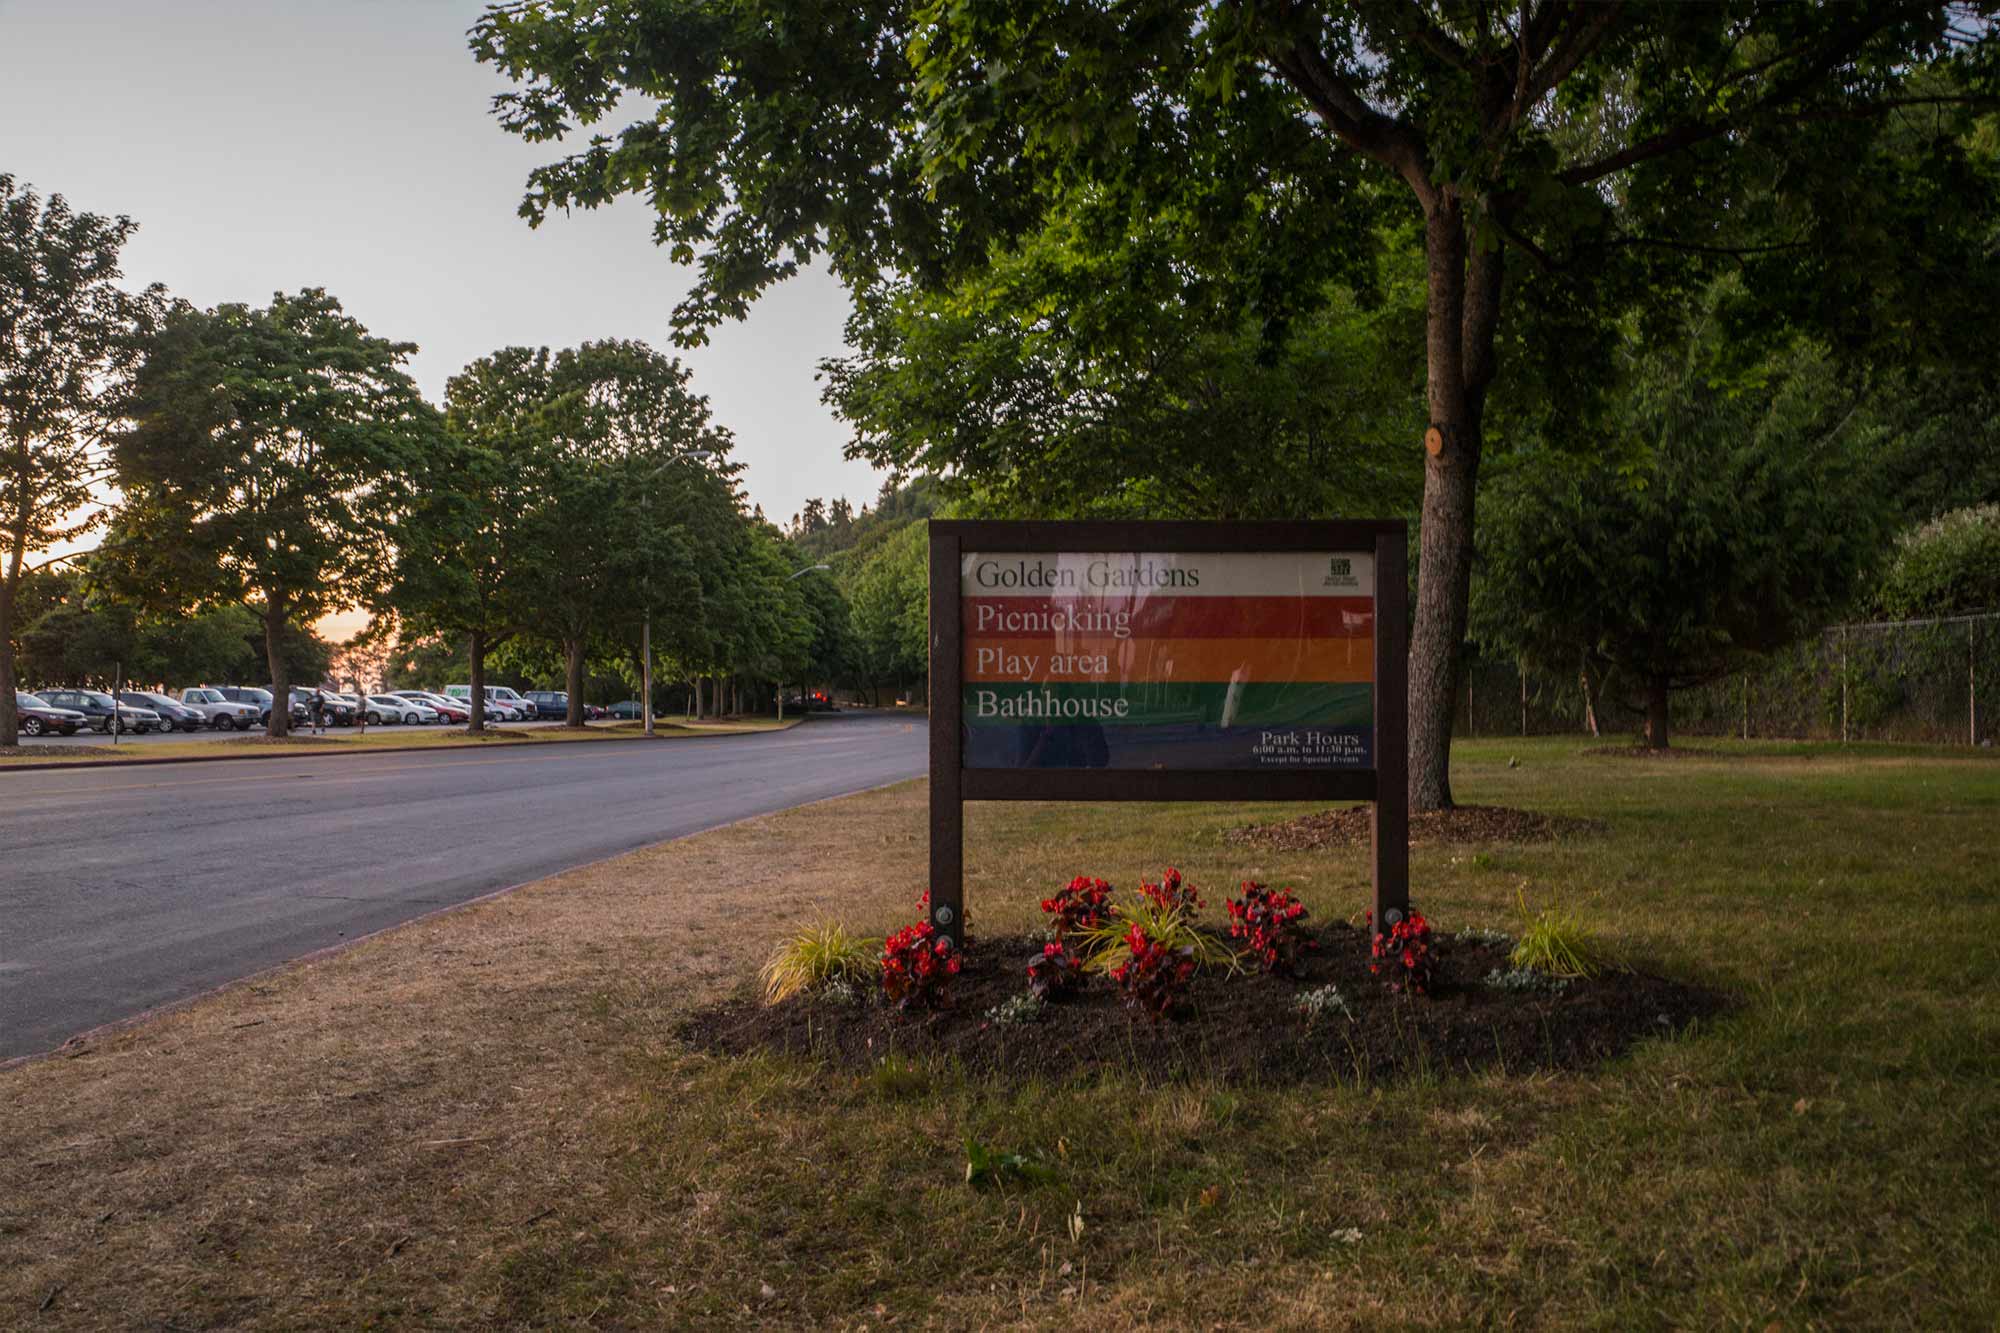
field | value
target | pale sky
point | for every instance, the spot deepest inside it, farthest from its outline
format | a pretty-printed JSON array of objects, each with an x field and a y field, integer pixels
[{"x": 277, "y": 144}]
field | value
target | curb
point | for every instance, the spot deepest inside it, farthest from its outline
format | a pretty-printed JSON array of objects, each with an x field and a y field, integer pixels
[{"x": 75, "y": 765}]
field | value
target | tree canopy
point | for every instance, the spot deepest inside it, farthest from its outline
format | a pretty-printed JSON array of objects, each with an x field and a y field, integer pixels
[
  {"x": 1563, "y": 163},
  {"x": 69, "y": 339},
  {"x": 269, "y": 453}
]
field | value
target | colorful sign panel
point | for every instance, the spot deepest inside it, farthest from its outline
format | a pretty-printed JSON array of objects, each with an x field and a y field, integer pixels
[{"x": 1258, "y": 660}]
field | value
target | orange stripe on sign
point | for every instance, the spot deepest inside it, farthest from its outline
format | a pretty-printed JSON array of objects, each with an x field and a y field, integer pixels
[{"x": 1219, "y": 661}]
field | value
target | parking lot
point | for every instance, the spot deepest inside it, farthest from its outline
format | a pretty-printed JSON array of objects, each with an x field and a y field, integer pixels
[{"x": 92, "y": 738}]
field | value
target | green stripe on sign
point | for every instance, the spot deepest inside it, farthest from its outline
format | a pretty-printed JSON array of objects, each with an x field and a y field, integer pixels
[{"x": 1164, "y": 703}]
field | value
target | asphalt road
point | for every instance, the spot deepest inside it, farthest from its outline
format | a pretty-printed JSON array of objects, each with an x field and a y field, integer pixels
[{"x": 125, "y": 888}]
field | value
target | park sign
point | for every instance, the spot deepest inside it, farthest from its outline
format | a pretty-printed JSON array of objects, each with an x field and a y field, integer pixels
[{"x": 1167, "y": 662}]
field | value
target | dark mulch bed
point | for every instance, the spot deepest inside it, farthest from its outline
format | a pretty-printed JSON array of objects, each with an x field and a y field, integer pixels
[
  {"x": 1464, "y": 825},
  {"x": 1244, "y": 1028}
]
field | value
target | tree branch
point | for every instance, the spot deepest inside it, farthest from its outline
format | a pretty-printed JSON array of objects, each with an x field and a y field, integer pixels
[
  {"x": 1387, "y": 140},
  {"x": 1841, "y": 46}
]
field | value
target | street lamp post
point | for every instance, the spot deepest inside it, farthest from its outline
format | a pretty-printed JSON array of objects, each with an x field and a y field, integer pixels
[
  {"x": 646, "y": 625},
  {"x": 796, "y": 575}
]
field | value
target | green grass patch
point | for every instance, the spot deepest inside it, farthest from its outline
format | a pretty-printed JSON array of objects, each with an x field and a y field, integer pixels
[{"x": 1819, "y": 1157}]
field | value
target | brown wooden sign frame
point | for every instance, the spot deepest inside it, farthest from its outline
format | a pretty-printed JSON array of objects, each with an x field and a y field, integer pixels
[{"x": 1385, "y": 786}]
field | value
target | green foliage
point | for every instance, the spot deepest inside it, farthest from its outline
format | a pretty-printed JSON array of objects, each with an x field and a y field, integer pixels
[
  {"x": 69, "y": 341},
  {"x": 991, "y": 1166},
  {"x": 1171, "y": 926},
  {"x": 815, "y": 955},
  {"x": 1554, "y": 942},
  {"x": 1946, "y": 567},
  {"x": 890, "y": 598},
  {"x": 1719, "y": 515},
  {"x": 269, "y": 454}
]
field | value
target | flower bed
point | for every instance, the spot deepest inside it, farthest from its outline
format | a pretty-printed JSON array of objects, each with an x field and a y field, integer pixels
[{"x": 1245, "y": 1026}]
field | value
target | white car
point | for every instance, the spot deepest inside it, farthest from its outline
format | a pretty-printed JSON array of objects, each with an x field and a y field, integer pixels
[
  {"x": 222, "y": 713},
  {"x": 394, "y": 708},
  {"x": 502, "y": 703}
]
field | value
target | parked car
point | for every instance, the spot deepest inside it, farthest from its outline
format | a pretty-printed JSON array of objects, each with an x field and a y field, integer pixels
[
  {"x": 502, "y": 703},
  {"x": 396, "y": 710},
  {"x": 102, "y": 712},
  {"x": 627, "y": 708},
  {"x": 222, "y": 712},
  {"x": 37, "y": 717},
  {"x": 549, "y": 704},
  {"x": 252, "y": 694},
  {"x": 595, "y": 712},
  {"x": 174, "y": 715},
  {"x": 448, "y": 710},
  {"x": 337, "y": 710}
]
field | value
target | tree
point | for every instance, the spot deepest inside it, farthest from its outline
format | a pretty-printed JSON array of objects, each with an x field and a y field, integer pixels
[
  {"x": 269, "y": 455},
  {"x": 1727, "y": 515},
  {"x": 1561, "y": 160},
  {"x": 608, "y": 529},
  {"x": 69, "y": 337},
  {"x": 890, "y": 594},
  {"x": 461, "y": 543}
]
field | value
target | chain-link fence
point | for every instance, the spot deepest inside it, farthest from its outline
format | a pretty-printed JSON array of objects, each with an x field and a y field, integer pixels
[{"x": 1925, "y": 681}]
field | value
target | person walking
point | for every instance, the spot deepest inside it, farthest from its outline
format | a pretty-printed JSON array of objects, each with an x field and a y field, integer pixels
[{"x": 319, "y": 711}]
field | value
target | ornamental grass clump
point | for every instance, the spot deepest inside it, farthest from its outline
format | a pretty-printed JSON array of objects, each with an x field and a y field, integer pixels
[
  {"x": 1165, "y": 915},
  {"x": 918, "y": 964},
  {"x": 1555, "y": 943},
  {"x": 814, "y": 957}
]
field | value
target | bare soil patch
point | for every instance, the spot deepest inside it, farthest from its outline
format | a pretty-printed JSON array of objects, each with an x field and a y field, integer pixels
[
  {"x": 1235, "y": 1029},
  {"x": 1465, "y": 825}
]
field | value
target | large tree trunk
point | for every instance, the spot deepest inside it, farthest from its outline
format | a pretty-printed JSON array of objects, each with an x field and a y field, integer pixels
[
  {"x": 1463, "y": 288},
  {"x": 573, "y": 681},
  {"x": 1656, "y": 713},
  {"x": 10, "y": 720},
  {"x": 477, "y": 726},
  {"x": 274, "y": 652}
]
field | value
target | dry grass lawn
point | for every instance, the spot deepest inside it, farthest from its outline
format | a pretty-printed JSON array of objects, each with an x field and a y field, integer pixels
[{"x": 483, "y": 1119}]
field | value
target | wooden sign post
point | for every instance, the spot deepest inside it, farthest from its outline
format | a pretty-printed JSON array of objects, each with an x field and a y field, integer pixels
[{"x": 1168, "y": 662}]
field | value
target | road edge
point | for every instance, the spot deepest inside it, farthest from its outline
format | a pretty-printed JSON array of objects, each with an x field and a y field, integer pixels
[{"x": 71, "y": 765}]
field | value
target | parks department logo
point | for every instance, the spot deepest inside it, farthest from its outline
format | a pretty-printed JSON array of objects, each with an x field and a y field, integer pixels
[{"x": 1340, "y": 573}]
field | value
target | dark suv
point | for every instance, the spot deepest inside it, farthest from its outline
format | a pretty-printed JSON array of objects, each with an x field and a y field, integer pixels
[
  {"x": 549, "y": 704},
  {"x": 339, "y": 712}
]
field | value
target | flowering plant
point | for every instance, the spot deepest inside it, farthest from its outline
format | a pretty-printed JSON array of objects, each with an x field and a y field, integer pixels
[
  {"x": 1269, "y": 921},
  {"x": 1171, "y": 893},
  {"x": 1080, "y": 906},
  {"x": 1153, "y": 976},
  {"x": 918, "y": 964},
  {"x": 1054, "y": 971},
  {"x": 1406, "y": 951}
]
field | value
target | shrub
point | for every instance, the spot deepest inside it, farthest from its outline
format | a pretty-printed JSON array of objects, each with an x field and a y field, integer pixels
[
  {"x": 1153, "y": 975},
  {"x": 1081, "y": 906},
  {"x": 1555, "y": 943},
  {"x": 1270, "y": 922},
  {"x": 1172, "y": 893},
  {"x": 1946, "y": 567},
  {"x": 918, "y": 964},
  {"x": 1406, "y": 951},
  {"x": 1055, "y": 971},
  {"x": 813, "y": 957}
]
